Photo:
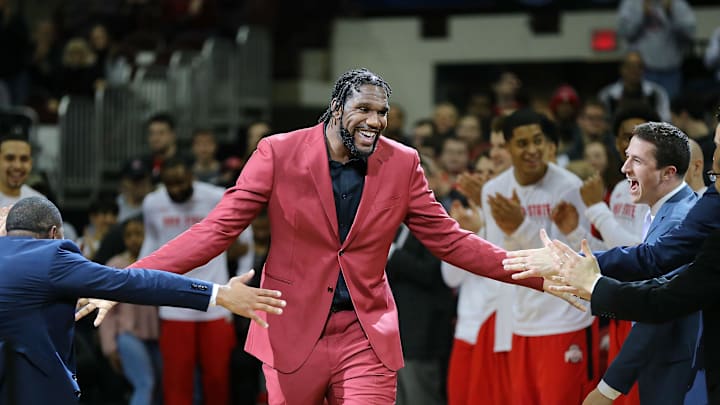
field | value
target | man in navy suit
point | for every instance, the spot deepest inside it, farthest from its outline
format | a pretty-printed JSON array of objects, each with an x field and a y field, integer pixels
[
  {"x": 41, "y": 278},
  {"x": 657, "y": 356}
]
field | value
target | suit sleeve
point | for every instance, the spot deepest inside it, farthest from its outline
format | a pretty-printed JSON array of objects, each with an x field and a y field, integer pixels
[
  {"x": 71, "y": 275},
  {"x": 662, "y": 299},
  {"x": 211, "y": 236},
  {"x": 431, "y": 225},
  {"x": 675, "y": 248},
  {"x": 647, "y": 272}
]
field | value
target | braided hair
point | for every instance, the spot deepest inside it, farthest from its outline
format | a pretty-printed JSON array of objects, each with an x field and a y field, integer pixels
[{"x": 352, "y": 79}]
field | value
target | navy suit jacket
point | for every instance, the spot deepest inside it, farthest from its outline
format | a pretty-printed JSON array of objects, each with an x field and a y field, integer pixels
[
  {"x": 40, "y": 282},
  {"x": 659, "y": 356}
]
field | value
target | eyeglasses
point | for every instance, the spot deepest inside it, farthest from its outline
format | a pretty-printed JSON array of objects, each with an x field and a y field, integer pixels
[{"x": 712, "y": 175}]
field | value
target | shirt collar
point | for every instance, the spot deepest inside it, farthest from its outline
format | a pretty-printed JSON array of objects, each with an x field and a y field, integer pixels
[{"x": 656, "y": 207}]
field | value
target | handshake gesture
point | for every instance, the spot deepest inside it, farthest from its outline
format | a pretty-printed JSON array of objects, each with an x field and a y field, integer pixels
[{"x": 566, "y": 272}]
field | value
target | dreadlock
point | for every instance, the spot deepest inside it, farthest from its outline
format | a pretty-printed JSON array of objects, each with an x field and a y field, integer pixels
[{"x": 352, "y": 79}]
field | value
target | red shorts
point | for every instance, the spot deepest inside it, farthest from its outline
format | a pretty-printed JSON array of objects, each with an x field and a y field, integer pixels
[
  {"x": 458, "y": 372},
  {"x": 554, "y": 369},
  {"x": 490, "y": 371}
]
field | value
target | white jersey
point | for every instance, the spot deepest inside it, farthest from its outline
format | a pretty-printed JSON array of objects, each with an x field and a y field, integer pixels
[
  {"x": 620, "y": 224},
  {"x": 536, "y": 313},
  {"x": 25, "y": 191},
  {"x": 166, "y": 219},
  {"x": 477, "y": 300},
  {"x": 245, "y": 262}
]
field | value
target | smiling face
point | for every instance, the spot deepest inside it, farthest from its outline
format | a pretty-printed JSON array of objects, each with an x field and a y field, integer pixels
[
  {"x": 178, "y": 181},
  {"x": 362, "y": 119},
  {"x": 642, "y": 172},
  {"x": 15, "y": 166},
  {"x": 499, "y": 152},
  {"x": 527, "y": 148}
]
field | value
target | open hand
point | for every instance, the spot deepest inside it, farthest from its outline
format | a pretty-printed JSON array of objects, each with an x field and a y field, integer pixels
[
  {"x": 470, "y": 185},
  {"x": 507, "y": 212},
  {"x": 88, "y": 305},
  {"x": 539, "y": 262},
  {"x": 592, "y": 190},
  {"x": 468, "y": 219},
  {"x": 578, "y": 273},
  {"x": 565, "y": 216},
  {"x": 243, "y": 300},
  {"x": 568, "y": 297}
]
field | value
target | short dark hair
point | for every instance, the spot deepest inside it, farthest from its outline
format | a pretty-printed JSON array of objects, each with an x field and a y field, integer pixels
[
  {"x": 497, "y": 123},
  {"x": 521, "y": 118},
  {"x": 33, "y": 214},
  {"x": 14, "y": 137},
  {"x": 550, "y": 129},
  {"x": 671, "y": 144},
  {"x": 633, "y": 109},
  {"x": 351, "y": 81},
  {"x": 163, "y": 117}
]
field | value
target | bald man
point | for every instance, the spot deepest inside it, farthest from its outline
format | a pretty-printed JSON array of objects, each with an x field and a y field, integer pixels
[{"x": 694, "y": 175}]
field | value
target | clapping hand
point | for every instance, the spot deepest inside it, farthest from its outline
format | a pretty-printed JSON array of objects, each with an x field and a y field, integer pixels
[
  {"x": 565, "y": 217},
  {"x": 470, "y": 185},
  {"x": 468, "y": 218},
  {"x": 507, "y": 212}
]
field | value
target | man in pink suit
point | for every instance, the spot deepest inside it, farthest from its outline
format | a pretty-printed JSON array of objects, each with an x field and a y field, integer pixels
[{"x": 335, "y": 194}]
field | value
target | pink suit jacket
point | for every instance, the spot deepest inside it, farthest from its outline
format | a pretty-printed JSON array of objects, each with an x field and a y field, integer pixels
[{"x": 289, "y": 173}]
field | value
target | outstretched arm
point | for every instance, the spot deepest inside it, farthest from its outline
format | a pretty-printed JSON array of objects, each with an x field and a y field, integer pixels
[
  {"x": 675, "y": 248},
  {"x": 657, "y": 300}
]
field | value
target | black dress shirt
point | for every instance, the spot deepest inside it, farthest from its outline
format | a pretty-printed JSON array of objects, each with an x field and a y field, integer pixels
[{"x": 348, "y": 180}]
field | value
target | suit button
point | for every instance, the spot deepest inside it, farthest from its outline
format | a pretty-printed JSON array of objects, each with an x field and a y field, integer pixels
[
  {"x": 330, "y": 289},
  {"x": 342, "y": 252}
]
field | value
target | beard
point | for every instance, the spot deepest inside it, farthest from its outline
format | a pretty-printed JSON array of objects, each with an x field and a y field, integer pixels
[
  {"x": 348, "y": 140},
  {"x": 182, "y": 196}
]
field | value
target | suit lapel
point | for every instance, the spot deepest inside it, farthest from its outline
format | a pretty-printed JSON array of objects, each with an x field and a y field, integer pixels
[
  {"x": 665, "y": 210},
  {"x": 319, "y": 167},
  {"x": 370, "y": 190}
]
